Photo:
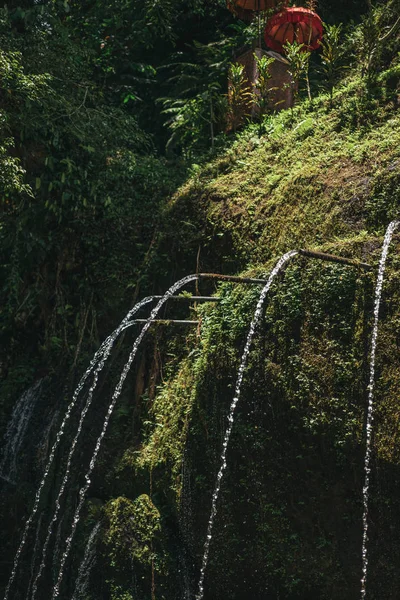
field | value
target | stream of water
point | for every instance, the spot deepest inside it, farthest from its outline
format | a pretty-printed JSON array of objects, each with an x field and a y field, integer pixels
[
  {"x": 370, "y": 412},
  {"x": 24, "y": 407},
  {"x": 98, "y": 369},
  {"x": 96, "y": 358},
  {"x": 117, "y": 392},
  {"x": 256, "y": 318},
  {"x": 87, "y": 563},
  {"x": 35, "y": 552}
]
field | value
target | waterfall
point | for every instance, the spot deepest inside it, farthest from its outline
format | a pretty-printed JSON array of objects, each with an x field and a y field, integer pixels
[
  {"x": 99, "y": 368},
  {"x": 87, "y": 563},
  {"x": 97, "y": 357},
  {"x": 370, "y": 412},
  {"x": 16, "y": 431},
  {"x": 24, "y": 408},
  {"x": 256, "y": 318},
  {"x": 82, "y": 493}
]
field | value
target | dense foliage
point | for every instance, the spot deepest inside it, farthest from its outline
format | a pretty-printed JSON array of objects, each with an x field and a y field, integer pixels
[{"x": 122, "y": 167}]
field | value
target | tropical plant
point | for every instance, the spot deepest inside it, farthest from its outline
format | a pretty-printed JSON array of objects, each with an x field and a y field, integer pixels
[
  {"x": 332, "y": 55},
  {"x": 239, "y": 95},
  {"x": 262, "y": 89},
  {"x": 377, "y": 30},
  {"x": 298, "y": 58},
  {"x": 196, "y": 107}
]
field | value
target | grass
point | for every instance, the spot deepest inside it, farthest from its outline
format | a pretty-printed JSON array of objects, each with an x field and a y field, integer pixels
[
  {"x": 316, "y": 179},
  {"x": 308, "y": 181}
]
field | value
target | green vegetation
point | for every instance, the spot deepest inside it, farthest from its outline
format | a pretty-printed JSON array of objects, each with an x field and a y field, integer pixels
[
  {"x": 261, "y": 97},
  {"x": 132, "y": 528},
  {"x": 298, "y": 58},
  {"x": 118, "y": 176},
  {"x": 332, "y": 56}
]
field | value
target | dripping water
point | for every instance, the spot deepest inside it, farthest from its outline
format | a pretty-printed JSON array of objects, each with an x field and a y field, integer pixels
[
  {"x": 60, "y": 433},
  {"x": 370, "y": 412},
  {"x": 82, "y": 493},
  {"x": 256, "y": 318},
  {"x": 86, "y": 566},
  {"x": 184, "y": 576},
  {"x": 16, "y": 431}
]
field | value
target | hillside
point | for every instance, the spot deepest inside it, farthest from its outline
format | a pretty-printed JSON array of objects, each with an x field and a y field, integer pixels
[
  {"x": 94, "y": 218},
  {"x": 289, "y": 519}
]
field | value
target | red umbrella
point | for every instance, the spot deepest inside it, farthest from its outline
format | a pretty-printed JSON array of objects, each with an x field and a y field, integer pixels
[{"x": 294, "y": 24}]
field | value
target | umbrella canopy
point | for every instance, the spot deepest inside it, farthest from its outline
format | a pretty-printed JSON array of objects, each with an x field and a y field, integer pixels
[
  {"x": 294, "y": 24},
  {"x": 245, "y": 9},
  {"x": 257, "y": 5}
]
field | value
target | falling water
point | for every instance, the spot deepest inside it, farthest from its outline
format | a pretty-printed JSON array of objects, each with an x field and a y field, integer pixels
[
  {"x": 370, "y": 413},
  {"x": 44, "y": 443},
  {"x": 86, "y": 565},
  {"x": 100, "y": 365},
  {"x": 103, "y": 348},
  {"x": 282, "y": 261},
  {"x": 35, "y": 552},
  {"x": 179, "y": 284},
  {"x": 57, "y": 546},
  {"x": 16, "y": 430}
]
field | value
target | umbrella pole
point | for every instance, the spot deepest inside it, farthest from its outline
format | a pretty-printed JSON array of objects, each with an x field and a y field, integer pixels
[{"x": 308, "y": 64}]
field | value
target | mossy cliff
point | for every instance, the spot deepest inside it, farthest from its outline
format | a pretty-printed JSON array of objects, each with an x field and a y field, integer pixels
[{"x": 290, "y": 511}]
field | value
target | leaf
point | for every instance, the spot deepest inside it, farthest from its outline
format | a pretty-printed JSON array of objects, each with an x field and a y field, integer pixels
[{"x": 130, "y": 97}]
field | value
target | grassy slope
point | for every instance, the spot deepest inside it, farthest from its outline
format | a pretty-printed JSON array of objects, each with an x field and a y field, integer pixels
[
  {"x": 314, "y": 183},
  {"x": 319, "y": 179}
]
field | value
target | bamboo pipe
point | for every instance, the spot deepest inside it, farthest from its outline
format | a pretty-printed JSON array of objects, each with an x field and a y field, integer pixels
[
  {"x": 233, "y": 278},
  {"x": 250, "y": 280},
  {"x": 167, "y": 321},
  {"x": 307, "y": 253},
  {"x": 192, "y": 298},
  {"x": 336, "y": 259}
]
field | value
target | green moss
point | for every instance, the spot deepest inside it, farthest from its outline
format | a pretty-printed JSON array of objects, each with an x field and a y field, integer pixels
[
  {"x": 170, "y": 416},
  {"x": 133, "y": 527}
]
